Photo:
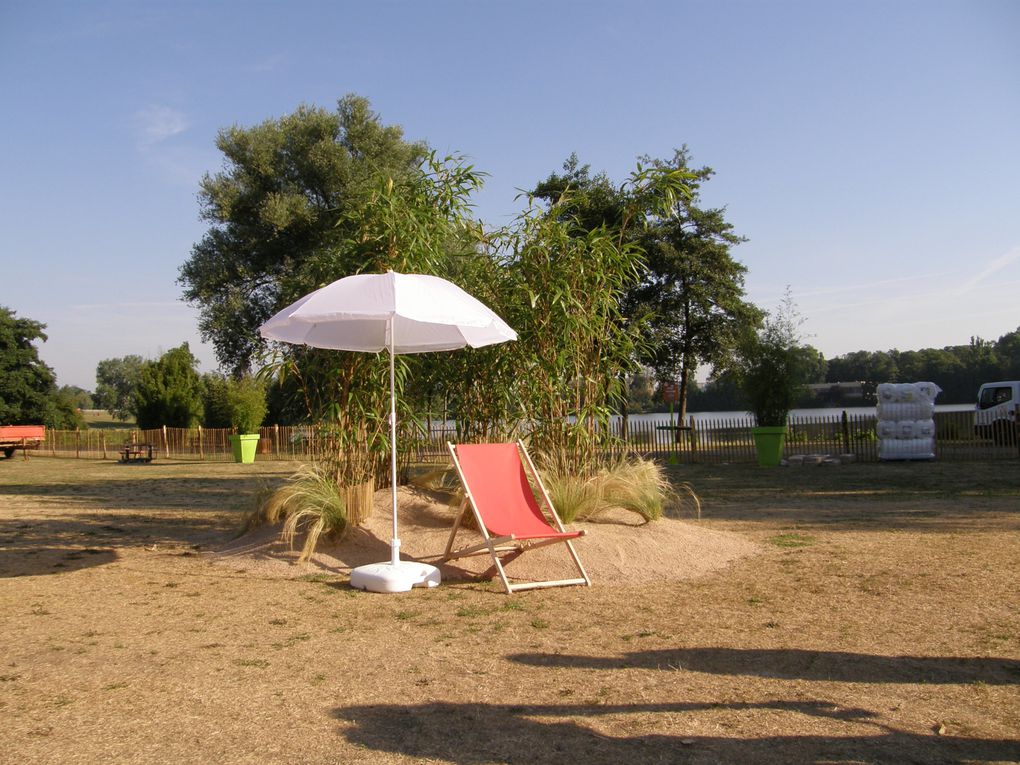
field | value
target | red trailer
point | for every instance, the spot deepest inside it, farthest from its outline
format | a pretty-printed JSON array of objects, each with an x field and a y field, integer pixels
[{"x": 14, "y": 437}]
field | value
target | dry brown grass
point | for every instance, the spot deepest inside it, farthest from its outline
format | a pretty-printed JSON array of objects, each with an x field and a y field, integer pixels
[{"x": 881, "y": 624}]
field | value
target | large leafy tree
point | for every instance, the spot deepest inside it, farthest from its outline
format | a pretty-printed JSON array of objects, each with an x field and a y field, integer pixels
[
  {"x": 303, "y": 201},
  {"x": 78, "y": 397},
  {"x": 116, "y": 380},
  {"x": 288, "y": 198},
  {"x": 691, "y": 291},
  {"x": 572, "y": 266},
  {"x": 420, "y": 224},
  {"x": 1007, "y": 349},
  {"x": 169, "y": 391},
  {"x": 26, "y": 383}
]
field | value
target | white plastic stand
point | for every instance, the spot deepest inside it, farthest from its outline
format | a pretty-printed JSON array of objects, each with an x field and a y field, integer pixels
[
  {"x": 385, "y": 577},
  {"x": 395, "y": 575}
]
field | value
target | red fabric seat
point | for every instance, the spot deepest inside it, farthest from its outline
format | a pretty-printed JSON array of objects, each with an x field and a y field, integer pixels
[
  {"x": 503, "y": 489},
  {"x": 502, "y": 494}
]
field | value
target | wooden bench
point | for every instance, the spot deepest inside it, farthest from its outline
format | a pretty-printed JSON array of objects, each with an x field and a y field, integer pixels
[{"x": 136, "y": 453}]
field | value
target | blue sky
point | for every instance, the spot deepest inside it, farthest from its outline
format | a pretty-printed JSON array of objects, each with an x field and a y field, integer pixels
[{"x": 870, "y": 151}]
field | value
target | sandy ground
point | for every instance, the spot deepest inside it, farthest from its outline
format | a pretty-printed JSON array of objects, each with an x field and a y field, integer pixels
[
  {"x": 619, "y": 550},
  {"x": 869, "y": 614}
]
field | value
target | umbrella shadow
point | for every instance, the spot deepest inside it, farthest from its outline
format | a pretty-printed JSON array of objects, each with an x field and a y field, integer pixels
[
  {"x": 42, "y": 561},
  {"x": 472, "y": 734},
  {"x": 799, "y": 664}
]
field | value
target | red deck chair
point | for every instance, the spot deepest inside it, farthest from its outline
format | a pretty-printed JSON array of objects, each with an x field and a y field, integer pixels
[{"x": 496, "y": 488}]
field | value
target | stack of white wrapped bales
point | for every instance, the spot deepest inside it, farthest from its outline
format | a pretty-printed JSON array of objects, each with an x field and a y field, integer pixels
[{"x": 906, "y": 420}]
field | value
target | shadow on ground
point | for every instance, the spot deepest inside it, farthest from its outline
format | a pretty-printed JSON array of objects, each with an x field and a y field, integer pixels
[
  {"x": 484, "y": 733},
  {"x": 797, "y": 664},
  {"x": 36, "y": 561},
  {"x": 170, "y": 492},
  {"x": 919, "y": 497},
  {"x": 55, "y": 528}
]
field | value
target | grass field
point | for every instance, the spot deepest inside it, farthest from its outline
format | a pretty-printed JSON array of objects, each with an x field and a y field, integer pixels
[
  {"x": 880, "y": 623},
  {"x": 103, "y": 420}
]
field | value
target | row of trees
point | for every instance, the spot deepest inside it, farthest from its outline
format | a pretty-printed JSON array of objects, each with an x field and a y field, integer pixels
[
  {"x": 170, "y": 391},
  {"x": 602, "y": 280},
  {"x": 958, "y": 369},
  {"x": 597, "y": 277}
]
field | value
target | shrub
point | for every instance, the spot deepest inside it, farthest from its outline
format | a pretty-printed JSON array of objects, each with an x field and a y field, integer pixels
[
  {"x": 229, "y": 402},
  {"x": 636, "y": 485},
  {"x": 770, "y": 365},
  {"x": 246, "y": 399},
  {"x": 169, "y": 391},
  {"x": 311, "y": 503},
  {"x": 639, "y": 486},
  {"x": 576, "y": 498}
]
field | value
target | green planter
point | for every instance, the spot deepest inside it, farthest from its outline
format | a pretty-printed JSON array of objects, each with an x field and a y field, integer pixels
[
  {"x": 244, "y": 447},
  {"x": 768, "y": 443}
]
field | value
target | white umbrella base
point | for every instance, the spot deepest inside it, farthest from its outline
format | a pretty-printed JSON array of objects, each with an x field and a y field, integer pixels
[{"x": 394, "y": 577}]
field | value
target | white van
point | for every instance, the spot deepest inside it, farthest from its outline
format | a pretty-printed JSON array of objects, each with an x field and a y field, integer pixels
[{"x": 997, "y": 415}]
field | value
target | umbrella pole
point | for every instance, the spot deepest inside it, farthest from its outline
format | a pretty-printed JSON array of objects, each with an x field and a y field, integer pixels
[{"x": 395, "y": 540}]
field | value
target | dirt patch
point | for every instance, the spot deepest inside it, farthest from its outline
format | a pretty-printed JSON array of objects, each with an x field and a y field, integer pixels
[
  {"x": 618, "y": 551},
  {"x": 877, "y": 621}
]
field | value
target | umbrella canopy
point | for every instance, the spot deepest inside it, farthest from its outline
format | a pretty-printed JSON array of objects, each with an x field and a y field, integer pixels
[
  {"x": 401, "y": 313},
  {"x": 369, "y": 312}
]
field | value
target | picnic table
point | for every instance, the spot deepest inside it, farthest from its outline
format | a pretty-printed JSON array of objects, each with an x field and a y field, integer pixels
[{"x": 136, "y": 453}]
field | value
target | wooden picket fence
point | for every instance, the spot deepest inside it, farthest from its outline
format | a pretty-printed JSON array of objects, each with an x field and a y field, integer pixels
[{"x": 697, "y": 440}]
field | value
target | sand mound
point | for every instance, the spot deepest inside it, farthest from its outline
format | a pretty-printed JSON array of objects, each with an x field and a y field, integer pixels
[{"x": 616, "y": 552}]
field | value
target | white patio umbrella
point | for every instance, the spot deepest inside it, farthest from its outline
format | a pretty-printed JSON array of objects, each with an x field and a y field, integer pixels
[{"x": 401, "y": 313}]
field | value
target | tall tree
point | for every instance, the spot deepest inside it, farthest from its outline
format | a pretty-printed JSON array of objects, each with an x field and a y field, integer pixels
[
  {"x": 279, "y": 212},
  {"x": 78, "y": 397},
  {"x": 572, "y": 266},
  {"x": 813, "y": 364},
  {"x": 690, "y": 296},
  {"x": 116, "y": 380},
  {"x": 693, "y": 289},
  {"x": 27, "y": 385},
  {"x": 1007, "y": 349},
  {"x": 169, "y": 391}
]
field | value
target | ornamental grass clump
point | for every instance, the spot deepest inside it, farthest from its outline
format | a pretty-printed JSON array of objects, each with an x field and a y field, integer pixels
[
  {"x": 636, "y": 485},
  {"x": 311, "y": 503},
  {"x": 576, "y": 498},
  {"x": 639, "y": 486}
]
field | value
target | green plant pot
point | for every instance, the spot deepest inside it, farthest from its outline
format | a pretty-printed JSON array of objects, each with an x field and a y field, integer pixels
[
  {"x": 768, "y": 443},
  {"x": 244, "y": 447}
]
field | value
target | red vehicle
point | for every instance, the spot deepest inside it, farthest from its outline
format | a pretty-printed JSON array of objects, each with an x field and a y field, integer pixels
[{"x": 20, "y": 437}]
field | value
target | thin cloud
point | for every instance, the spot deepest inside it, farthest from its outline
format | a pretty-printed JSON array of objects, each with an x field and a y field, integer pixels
[
  {"x": 994, "y": 265},
  {"x": 858, "y": 287},
  {"x": 158, "y": 123}
]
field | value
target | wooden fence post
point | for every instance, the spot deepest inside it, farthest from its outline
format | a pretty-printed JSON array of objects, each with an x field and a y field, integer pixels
[
  {"x": 845, "y": 421},
  {"x": 77, "y": 443},
  {"x": 166, "y": 443},
  {"x": 201, "y": 450},
  {"x": 102, "y": 443}
]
